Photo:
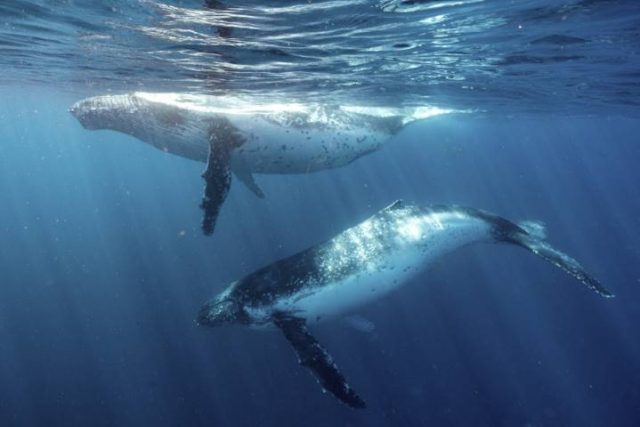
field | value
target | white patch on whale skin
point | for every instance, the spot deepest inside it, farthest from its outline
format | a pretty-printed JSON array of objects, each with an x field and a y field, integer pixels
[
  {"x": 344, "y": 296},
  {"x": 360, "y": 323},
  {"x": 389, "y": 251}
]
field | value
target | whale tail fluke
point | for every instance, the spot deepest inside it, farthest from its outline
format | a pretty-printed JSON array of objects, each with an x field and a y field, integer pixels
[
  {"x": 531, "y": 236},
  {"x": 561, "y": 260}
]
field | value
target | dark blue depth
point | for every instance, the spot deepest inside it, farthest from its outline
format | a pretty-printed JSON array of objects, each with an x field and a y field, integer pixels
[{"x": 103, "y": 269}]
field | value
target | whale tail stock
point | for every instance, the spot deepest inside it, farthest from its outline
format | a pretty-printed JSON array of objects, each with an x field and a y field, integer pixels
[
  {"x": 223, "y": 139},
  {"x": 531, "y": 236}
]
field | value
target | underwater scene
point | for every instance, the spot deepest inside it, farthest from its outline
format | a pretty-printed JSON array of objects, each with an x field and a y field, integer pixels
[{"x": 320, "y": 213}]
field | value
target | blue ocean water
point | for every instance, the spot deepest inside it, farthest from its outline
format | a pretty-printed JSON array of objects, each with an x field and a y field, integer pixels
[{"x": 103, "y": 266}]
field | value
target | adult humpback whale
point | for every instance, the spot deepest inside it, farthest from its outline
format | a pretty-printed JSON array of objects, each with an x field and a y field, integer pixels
[
  {"x": 361, "y": 264},
  {"x": 235, "y": 135}
]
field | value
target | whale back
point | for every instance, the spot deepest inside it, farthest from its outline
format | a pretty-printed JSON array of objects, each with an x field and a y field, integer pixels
[{"x": 388, "y": 247}]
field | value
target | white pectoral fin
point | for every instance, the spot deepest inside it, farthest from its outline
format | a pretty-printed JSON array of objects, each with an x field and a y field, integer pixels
[
  {"x": 241, "y": 170},
  {"x": 360, "y": 324}
]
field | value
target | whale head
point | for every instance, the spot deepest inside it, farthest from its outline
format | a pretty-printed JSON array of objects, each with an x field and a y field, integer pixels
[
  {"x": 104, "y": 112},
  {"x": 157, "y": 123}
]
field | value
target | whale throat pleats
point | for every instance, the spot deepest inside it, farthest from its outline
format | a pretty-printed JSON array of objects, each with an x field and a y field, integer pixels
[
  {"x": 315, "y": 358},
  {"x": 223, "y": 139}
]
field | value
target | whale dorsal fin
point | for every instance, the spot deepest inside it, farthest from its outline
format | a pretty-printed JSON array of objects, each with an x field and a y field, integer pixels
[
  {"x": 398, "y": 204},
  {"x": 315, "y": 358},
  {"x": 223, "y": 139}
]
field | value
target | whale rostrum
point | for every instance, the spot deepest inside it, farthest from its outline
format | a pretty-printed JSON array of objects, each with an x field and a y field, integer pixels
[
  {"x": 361, "y": 264},
  {"x": 244, "y": 137}
]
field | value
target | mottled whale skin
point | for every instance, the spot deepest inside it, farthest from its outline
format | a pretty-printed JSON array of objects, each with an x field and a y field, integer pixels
[
  {"x": 238, "y": 135},
  {"x": 361, "y": 264},
  {"x": 279, "y": 138}
]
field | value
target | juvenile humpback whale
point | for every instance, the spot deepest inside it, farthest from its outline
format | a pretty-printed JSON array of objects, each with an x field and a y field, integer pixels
[
  {"x": 235, "y": 135},
  {"x": 361, "y": 264}
]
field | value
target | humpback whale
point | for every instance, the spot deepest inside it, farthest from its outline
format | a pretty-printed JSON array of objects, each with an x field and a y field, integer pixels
[
  {"x": 361, "y": 264},
  {"x": 238, "y": 136}
]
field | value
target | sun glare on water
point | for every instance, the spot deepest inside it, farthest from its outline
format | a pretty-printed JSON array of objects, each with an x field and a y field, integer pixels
[{"x": 245, "y": 106}]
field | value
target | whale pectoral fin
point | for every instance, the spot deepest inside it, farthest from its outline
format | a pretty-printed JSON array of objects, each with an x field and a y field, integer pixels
[
  {"x": 315, "y": 358},
  {"x": 217, "y": 178},
  {"x": 223, "y": 139},
  {"x": 243, "y": 173}
]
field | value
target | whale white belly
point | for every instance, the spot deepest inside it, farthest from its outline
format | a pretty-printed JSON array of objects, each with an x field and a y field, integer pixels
[
  {"x": 422, "y": 241},
  {"x": 268, "y": 147},
  {"x": 345, "y": 296},
  {"x": 272, "y": 148}
]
